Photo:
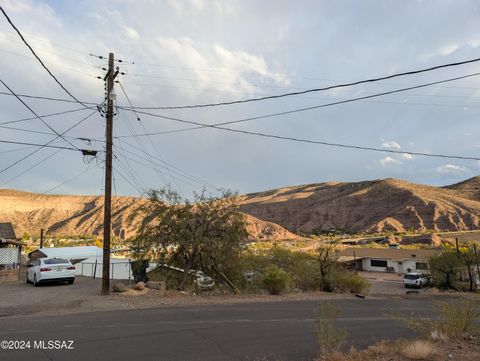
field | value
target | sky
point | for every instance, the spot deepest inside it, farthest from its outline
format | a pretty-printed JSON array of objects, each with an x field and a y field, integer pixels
[{"x": 197, "y": 51}]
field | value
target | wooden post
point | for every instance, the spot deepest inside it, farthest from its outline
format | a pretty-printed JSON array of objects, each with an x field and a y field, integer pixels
[{"x": 107, "y": 215}]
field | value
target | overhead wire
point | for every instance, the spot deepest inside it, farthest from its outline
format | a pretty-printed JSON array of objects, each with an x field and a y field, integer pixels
[
  {"x": 42, "y": 116},
  {"x": 149, "y": 139},
  {"x": 176, "y": 170},
  {"x": 36, "y": 115},
  {"x": 330, "y": 87},
  {"x": 39, "y": 59},
  {"x": 46, "y": 145},
  {"x": 345, "y": 101}
]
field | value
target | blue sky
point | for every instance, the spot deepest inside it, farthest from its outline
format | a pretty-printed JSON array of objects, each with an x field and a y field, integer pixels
[{"x": 195, "y": 51}]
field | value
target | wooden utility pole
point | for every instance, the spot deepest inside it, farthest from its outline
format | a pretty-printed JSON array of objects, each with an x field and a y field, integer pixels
[
  {"x": 107, "y": 214},
  {"x": 41, "y": 237},
  {"x": 476, "y": 260}
]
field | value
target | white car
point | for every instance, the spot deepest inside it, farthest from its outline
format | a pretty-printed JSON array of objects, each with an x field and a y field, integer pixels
[
  {"x": 44, "y": 270},
  {"x": 415, "y": 279}
]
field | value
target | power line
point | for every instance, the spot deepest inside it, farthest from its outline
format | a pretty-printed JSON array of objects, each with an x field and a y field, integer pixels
[
  {"x": 32, "y": 167},
  {"x": 38, "y": 145},
  {"x": 36, "y": 115},
  {"x": 149, "y": 139},
  {"x": 38, "y": 58},
  {"x": 49, "y": 98},
  {"x": 42, "y": 116},
  {"x": 341, "y": 145},
  {"x": 175, "y": 169},
  {"x": 336, "y": 86},
  {"x": 46, "y": 145},
  {"x": 89, "y": 168},
  {"x": 201, "y": 125}
]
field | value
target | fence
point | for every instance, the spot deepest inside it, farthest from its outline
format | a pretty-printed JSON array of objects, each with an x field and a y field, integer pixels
[
  {"x": 118, "y": 270},
  {"x": 9, "y": 263}
]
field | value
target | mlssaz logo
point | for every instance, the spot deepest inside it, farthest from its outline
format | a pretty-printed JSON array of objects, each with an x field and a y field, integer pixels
[{"x": 53, "y": 345}]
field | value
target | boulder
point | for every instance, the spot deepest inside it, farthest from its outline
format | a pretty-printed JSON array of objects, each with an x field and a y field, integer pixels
[
  {"x": 139, "y": 286},
  {"x": 156, "y": 285},
  {"x": 119, "y": 287}
]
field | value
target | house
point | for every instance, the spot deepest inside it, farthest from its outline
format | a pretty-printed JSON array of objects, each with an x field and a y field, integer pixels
[
  {"x": 88, "y": 261},
  {"x": 10, "y": 253},
  {"x": 387, "y": 259},
  {"x": 74, "y": 254}
]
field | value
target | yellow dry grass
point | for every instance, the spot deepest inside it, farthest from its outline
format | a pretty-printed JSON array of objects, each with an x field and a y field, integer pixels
[{"x": 419, "y": 350}]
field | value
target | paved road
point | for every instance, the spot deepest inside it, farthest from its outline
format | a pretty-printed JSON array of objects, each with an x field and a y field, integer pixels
[{"x": 256, "y": 331}]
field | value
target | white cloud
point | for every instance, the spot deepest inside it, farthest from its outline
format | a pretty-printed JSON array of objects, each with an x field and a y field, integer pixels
[
  {"x": 448, "y": 49},
  {"x": 391, "y": 144},
  {"x": 197, "y": 4},
  {"x": 132, "y": 33},
  {"x": 388, "y": 160},
  {"x": 407, "y": 156},
  {"x": 452, "y": 168},
  {"x": 230, "y": 68}
]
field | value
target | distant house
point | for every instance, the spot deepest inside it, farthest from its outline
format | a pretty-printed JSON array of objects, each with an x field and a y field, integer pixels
[
  {"x": 10, "y": 253},
  {"x": 387, "y": 259},
  {"x": 88, "y": 260},
  {"x": 74, "y": 254}
]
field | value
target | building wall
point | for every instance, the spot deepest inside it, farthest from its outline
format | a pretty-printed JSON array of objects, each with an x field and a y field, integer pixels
[{"x": 398, "y": 267}]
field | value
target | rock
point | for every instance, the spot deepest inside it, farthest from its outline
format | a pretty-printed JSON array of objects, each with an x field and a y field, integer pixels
[
  {"x": 156, "y": 285},
  {"x": 119, "y": 287},
  {"x": 139, "y": 286}
]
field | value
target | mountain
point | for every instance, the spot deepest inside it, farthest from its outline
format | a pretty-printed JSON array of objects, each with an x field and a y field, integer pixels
[
  {"x": 369, "y": 206},
  {"x": 78, "y": 215}
]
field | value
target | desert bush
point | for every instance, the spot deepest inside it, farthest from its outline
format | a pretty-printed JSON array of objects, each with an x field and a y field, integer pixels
[
  {"x": 276, "y": 280},
  {"x": 344, "y": 281},
  {"x": 455, "y": 320},
  {"x": 418, "y": 350},
  {"x": 329, "y": 336}
]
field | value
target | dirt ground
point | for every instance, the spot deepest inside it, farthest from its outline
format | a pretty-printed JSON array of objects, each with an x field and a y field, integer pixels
[{"x": 21, "y": 299}]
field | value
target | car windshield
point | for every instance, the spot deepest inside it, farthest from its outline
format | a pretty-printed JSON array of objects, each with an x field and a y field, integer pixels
[
  {"x": 55, "y": 261},
  {"x": 411, "y": 277}
]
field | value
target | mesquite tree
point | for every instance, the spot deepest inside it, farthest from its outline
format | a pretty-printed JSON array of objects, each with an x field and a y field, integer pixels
[{"x": 204, "y": 234}]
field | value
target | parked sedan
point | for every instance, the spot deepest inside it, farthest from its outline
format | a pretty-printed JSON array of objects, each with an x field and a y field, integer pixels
[{"x": 45, "y": 270}]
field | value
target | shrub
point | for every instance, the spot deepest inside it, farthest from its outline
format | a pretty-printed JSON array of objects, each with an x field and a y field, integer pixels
[
  {"x": 344, "y": 281},
  {"x": 456, "y": 320},
  {"x": 276, "y": 280},
  {"x": 418, "y": 350},
  {"x": 330, "y": 338}
]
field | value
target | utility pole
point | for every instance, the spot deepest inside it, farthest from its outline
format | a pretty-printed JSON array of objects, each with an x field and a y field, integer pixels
[
  {"x": 41, "y": 237},
  {"x": 476, "y": 260},
  {"x": 107, "y": 215}
]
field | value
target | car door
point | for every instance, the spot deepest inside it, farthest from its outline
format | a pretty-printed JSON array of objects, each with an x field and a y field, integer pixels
[{"x": 31, "y": 270}]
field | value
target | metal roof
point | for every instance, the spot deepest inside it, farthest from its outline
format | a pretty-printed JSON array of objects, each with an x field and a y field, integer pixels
[
  {"x": 7, "y": 231},
  {"x": 70, "y": 252},
  {"x": 390, "y": 253}
]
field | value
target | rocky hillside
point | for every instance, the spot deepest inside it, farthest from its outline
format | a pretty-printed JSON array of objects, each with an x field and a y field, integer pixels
[
  {"x": 377, "y": 205},
  {"x": 77, "y": 215}
]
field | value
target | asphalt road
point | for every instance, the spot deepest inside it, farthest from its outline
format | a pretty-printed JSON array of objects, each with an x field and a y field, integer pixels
[{"x": 255, "y": 331}]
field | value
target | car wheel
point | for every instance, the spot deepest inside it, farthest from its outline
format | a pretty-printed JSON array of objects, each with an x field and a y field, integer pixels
[
  {"x": 70, "y": 282},
  {"x": 35, "y": 283}
]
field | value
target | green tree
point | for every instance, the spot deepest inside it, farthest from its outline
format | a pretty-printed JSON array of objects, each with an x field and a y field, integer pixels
[
  {"x": 327, "y": 265},
  {"x": 445, "y": 269},
  {"x": 204, "y": 234}
]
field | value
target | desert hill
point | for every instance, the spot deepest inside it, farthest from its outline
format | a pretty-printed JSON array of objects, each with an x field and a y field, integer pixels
[
  {"x": 78, "y": 215},
  {"x": 369, "y": 206},
  {"x": 378, "y": 205}
]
